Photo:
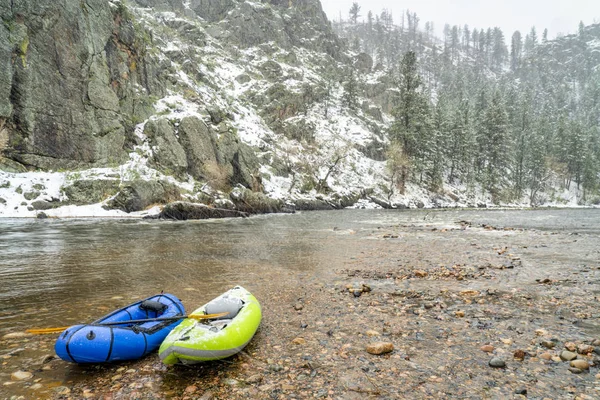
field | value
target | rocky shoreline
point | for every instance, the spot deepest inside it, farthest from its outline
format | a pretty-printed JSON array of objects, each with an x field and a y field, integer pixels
[{"x": 416, "y": 311}]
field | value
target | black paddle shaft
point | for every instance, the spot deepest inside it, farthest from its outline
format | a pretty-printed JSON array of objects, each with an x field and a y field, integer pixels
[{"x": 140, "y": 321}]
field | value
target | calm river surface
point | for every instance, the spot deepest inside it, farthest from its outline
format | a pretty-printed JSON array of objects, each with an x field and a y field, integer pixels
[{"x": 61, "y": 272}]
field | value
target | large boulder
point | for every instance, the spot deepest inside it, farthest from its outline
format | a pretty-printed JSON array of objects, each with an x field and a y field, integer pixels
[
  {"x": 139, "y": 195},
  {"x": 254, "y": 202},
  {"x": 241, "y": 158},
  {"x": 199, "y": 144},
  {"x": 90, "y": 191},
  {"x": 183, "y": 211},
  {"x": 168, "y": 154}
]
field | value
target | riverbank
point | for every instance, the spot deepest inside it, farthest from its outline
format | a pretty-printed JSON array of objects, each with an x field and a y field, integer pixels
[{"x": 452, "y": 299}]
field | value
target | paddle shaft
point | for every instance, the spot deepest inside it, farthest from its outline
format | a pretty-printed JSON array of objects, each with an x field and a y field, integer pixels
[
  {"x": 140, "y": 321},
  {"x": 133, "y": 321}
]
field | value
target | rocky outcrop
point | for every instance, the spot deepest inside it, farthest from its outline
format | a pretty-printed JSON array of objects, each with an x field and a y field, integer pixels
[
  {"x": 199, "y": 145},
  {"x": 184, "y": 211},
  {"x": 139, "y": 195},
  {"x": 89, "y": 191},
  {"x": 168, "y": 155},
  {"x": 241, "y": 158},
  {"x": 255, "y": 203},
  {"x": 74, "y": 79}
]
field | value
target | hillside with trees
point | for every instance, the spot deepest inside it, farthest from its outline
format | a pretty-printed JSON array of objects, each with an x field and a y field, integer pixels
[{"x": 517, "y": 116}]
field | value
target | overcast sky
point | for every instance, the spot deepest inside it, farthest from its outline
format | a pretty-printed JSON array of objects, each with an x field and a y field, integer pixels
[{"x": 559, "y": 16}]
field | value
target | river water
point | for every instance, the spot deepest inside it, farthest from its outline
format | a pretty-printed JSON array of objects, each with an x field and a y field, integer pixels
[{"x": 61, "y": 272}]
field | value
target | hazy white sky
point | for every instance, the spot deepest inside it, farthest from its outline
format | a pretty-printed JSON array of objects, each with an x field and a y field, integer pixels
[{"x": 559, "y": 16}]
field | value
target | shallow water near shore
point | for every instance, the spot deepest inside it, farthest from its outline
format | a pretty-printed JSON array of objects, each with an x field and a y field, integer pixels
[{"x": 62, "y": 272}]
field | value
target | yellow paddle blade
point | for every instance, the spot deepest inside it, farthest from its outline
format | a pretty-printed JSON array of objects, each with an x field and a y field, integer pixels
[
  {"x": 42, "y": 331},
  {"x": 208, "y": 316}
]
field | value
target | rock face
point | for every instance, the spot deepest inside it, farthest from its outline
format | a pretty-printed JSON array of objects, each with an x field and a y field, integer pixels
[
  {"x": 184, "y": 211},
  {"x": 91, "y": 191},
  {"x": 70, "y": 74},
  {"x": 138, "y": 195}
]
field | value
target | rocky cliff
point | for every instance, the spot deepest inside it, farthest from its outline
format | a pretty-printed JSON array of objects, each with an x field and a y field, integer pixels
[
  {"x": 75, "y": 77},
  {"x": 207, "y": 95}
]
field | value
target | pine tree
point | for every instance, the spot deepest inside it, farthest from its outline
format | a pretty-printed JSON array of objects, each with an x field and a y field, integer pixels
[
  {"x": 495, "y": 125},
  {"x": 411, "y": 116},
  {"x": 516, "y": 48},
  {"x": 350, "y": 96},
  {"x": 354, "y": 12}
]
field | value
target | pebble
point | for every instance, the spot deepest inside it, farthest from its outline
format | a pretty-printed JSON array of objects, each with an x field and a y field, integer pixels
[
  {"x": 571, "y": 346},
  {"x": 380, "y": 348},
  {"x": 585, "y": 349},
  {"x": 459, "y": 314},
  {"x": 545, "y": 356},
  {"x": 254, "y": 379},
  {"x": 190, "y": 389},
  {"x": 298, "y": 306},
  {"x": 567, "y": 356},
  {"x": 231, "y": 382},
  {"x": 488, "y": 348},
  {"x": 497, "y": 362},
  {"x": 62, "y": 390},
  {"x": 299, "y": 341},
  {"x": 575, "y": 370},
  {"x": 521, "y": 391},
  {"x": 519, "y": 355},
  {"x": 581, "y": 364},
  {"x": 372, "y": 333},
  {"x": 21, "y": 376},
  {"x": 548, "y": 344},
  {"x": 16, "y": 335},
  {"x": 420, "y": 274},
  {"x": 36, "y": 386}
]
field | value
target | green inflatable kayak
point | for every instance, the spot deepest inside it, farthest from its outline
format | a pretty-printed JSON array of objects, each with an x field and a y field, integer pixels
[{"x": 194, "y": 341}]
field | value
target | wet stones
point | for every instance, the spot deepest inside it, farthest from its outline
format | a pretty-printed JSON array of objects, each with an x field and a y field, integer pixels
[
  {"x": 580, "y": 364},
  {"x": 21, "y": 376},
  {"x": 548, "y": 344},
  {"x": 497, "y": 362},
  {"x": 585, "y": 349},
  {"x": 16, "y": 335},
  {"x": 379, "y": 348},
  {"x": 567, "y": 355},
  {"x": 421, "y": 274},
  {"x": 571, "y": 346},
  {"x": 357, "y": 290},
  {"x": 519, "y": 355},
  {"x": 488, "y": 348}
]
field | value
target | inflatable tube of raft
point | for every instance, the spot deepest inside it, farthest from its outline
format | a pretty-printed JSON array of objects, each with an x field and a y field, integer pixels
[{"x": 97, "y": 343}]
